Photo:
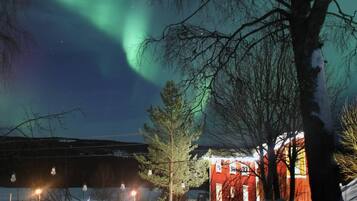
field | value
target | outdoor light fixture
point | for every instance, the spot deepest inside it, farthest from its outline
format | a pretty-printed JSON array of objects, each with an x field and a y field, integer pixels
[
  {"x": 149, "y": 172},
  {"x": 133, "y": 194},
  {"x": 38, "y": 192},
  {"x": 84, "y": 188},
  {"x": 13, "y": 178},
  {"x": 53, "y": 171}
]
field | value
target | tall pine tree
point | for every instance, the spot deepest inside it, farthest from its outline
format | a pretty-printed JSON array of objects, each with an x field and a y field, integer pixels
[{"x": 170, "y": 164}]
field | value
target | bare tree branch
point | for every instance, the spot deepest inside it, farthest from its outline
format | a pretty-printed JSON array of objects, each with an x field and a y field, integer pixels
[{"x": 54, "y": 116}]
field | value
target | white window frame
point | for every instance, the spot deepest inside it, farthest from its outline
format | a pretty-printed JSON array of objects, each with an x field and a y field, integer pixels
[
  {"x": 219, "y": 192},
  {"x": 245, "y": 193},
  {"x": 244, "y": 167},
  {"x": 232, "y": 167},
  {"x": 218, "y": 166}
]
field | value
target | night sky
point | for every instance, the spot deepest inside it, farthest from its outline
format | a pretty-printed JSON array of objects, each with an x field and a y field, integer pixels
[{"x": 83, "y": 54}]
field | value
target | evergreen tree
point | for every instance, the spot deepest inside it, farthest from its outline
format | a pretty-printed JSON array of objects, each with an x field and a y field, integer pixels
[{"x": 170, "y": 164}]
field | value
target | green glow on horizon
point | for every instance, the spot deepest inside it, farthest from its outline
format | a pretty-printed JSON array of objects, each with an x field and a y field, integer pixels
[{"x": 125, "y": 25}]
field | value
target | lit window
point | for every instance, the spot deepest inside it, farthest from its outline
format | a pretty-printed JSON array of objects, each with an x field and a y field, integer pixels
[
  {"x": 232, "y": 167},
  {"x": 244, "y": 169},
  {"x": 300, "y": 163},
  {"x": 218, "y": 166}
]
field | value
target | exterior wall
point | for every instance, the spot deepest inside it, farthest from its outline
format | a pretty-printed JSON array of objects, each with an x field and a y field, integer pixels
[
  {"x": 255, "y": 191},
  {"x": 302, "y": 189},
  {"x": 302, "y": 186},
  {"x": 232, "y": 184}
]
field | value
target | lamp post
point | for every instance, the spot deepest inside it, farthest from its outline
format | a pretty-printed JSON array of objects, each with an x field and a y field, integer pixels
[{"x": 133, "y": 194}]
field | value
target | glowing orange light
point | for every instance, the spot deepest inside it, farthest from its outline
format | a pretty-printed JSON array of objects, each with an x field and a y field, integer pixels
[
  {"x": 38, "y": 191},
  {"x": 133, "y": 193}
]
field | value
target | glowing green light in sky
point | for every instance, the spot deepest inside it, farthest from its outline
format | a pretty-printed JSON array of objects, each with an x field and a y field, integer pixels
[{"x": 126, "y": 22}]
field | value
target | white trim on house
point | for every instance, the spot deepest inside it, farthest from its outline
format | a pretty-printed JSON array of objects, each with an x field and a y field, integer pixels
[
  {"x": 219, "y": 196},
  {"x": 245, "y": 193}
]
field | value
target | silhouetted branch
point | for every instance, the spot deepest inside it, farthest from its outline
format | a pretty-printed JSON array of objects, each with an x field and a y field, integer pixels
[{"x": 54, "y": 116}]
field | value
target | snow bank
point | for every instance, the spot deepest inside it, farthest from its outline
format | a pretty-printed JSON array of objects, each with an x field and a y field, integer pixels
[{"x": 349, "y": 192}]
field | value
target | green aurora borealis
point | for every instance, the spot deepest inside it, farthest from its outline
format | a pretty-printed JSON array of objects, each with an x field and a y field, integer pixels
[
  {"x": 126, "y": 22},
  {"x": 85, "y": 55},
  {"x": 129, "y": 22}
]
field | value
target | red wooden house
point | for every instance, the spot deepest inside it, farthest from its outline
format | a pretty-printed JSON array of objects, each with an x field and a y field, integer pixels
[{"x": 235, "y": 178}]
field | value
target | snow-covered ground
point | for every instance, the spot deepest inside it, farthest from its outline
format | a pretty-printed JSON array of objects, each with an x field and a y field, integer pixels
[
  {"x": 76, "y": 194},
  {"x": 349, "y": 192}
]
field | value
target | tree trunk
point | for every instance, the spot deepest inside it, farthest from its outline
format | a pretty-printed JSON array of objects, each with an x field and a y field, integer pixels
[
  {"x": 276, "y": 184},
  {"x": 292, "y": 181},
  {"x": 171, "y": 183},
  {"x": 319, "y": 140},
  {"x": 319, "y": 137},
  {"x": 171, "y": 169},
  {"x": 266, "y": 189},
  {"x": 293, "y": 155},
  {"x": 306, "y": 24},
  {"x": 273, "y": 179}
]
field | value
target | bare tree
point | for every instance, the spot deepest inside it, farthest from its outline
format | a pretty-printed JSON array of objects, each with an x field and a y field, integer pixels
[
  {"x": 292, "y": 153},
  {"x": 38, "y": 122},
  {"x": 203, "y": 50},
  {"x": 11, "y": 35},
  {"x": 257, "y": 103}
]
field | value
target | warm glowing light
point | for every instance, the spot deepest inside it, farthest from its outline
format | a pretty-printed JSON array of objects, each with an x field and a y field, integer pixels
[
  {"x": 133, "y": 193},
  {"x": 38, "y": 191}
]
